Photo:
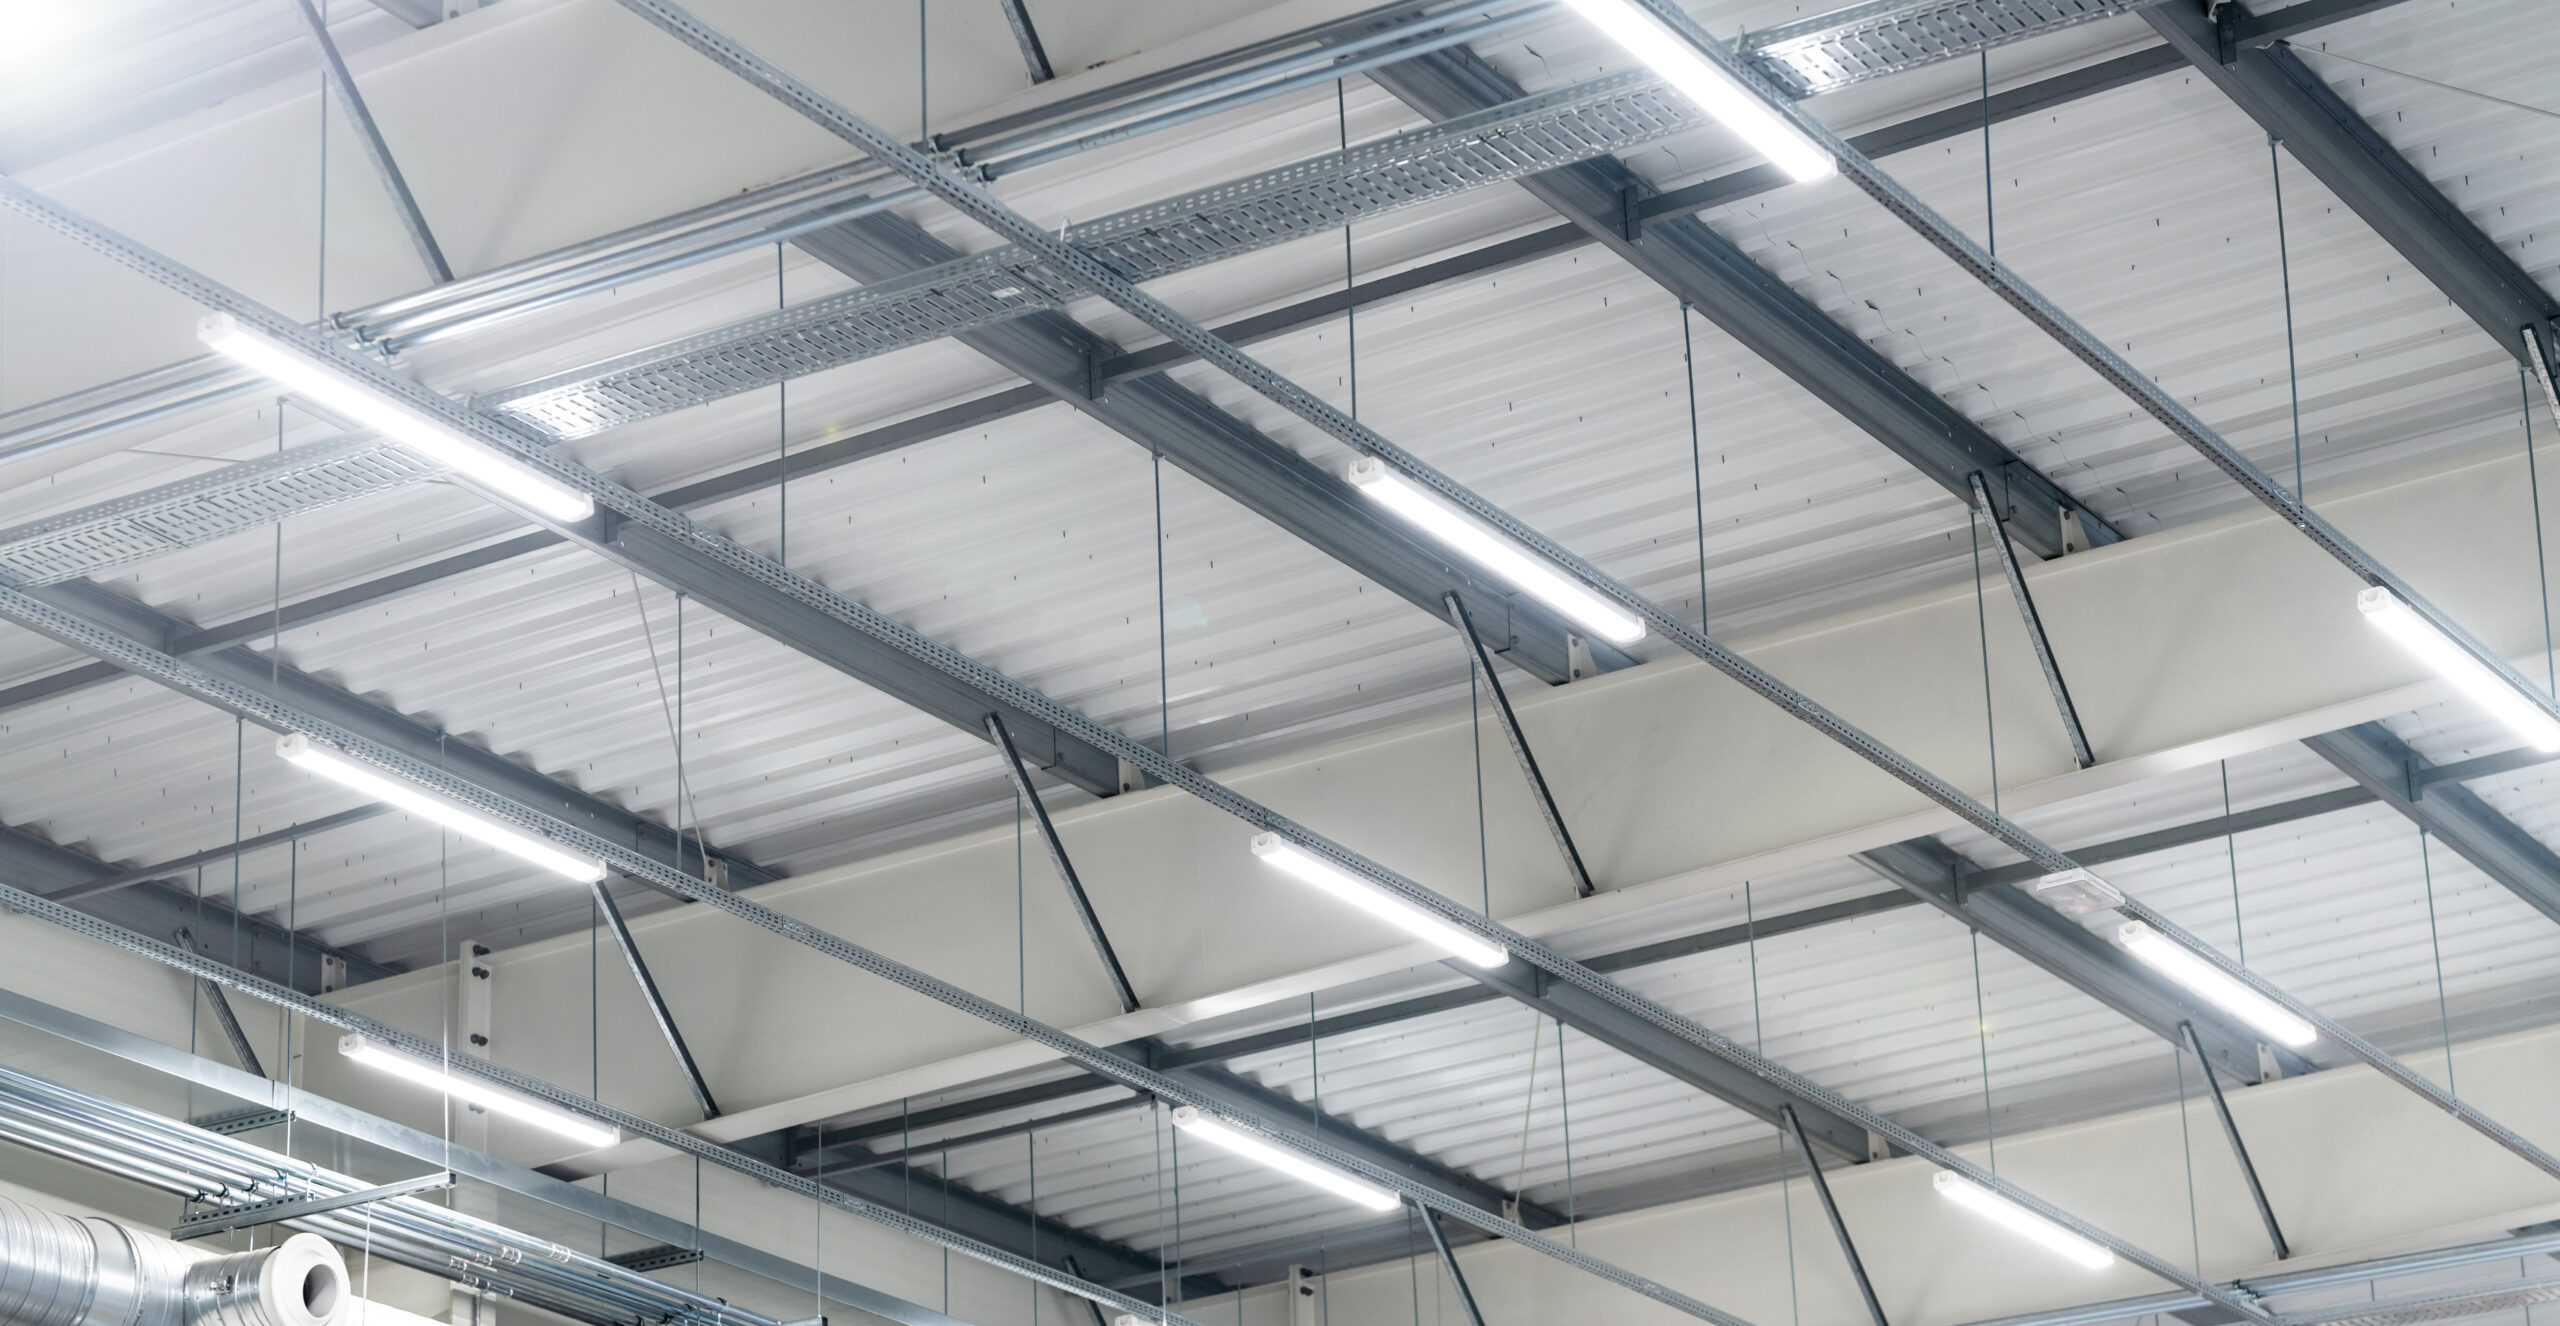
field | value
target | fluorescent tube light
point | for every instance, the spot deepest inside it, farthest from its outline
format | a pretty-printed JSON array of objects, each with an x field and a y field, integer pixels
[
  {"x": 2215, "y": 986},
  {"x": 331, "y": 388},
  {"x": 2455, "y": 664},
  {"x": 1376, "y": 901},
  {"x": 1496, "y": 553},
  {"x": 305, "y": 753},
  {"x": 496, "y": 1100},
  {"x": 2017, "y": 1219},
  {"x": 1192, "y": 1121},
  {"x": 1703, "y": 81}
]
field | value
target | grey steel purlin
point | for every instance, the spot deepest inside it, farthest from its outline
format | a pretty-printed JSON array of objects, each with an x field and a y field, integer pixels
[
  {"x": 2386, "y": 766},
  {"x": 2034, "y": 622},
  {"x": 1999, "y": 907},
  {"x": 2318, "y": 128},
  {"x": 982, "y": 207}
]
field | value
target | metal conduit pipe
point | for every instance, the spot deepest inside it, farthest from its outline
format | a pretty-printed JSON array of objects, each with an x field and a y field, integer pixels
[{"x": 59, "y": 1270}]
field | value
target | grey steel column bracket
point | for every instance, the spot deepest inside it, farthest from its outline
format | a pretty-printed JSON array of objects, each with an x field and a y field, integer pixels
[
  {"x": 342, "y": 85},
  {"x": 1021, "y": 776},
  {"x": 1482, "y": 663},
  {"x": 1830, "y": 1208},
  {"x": 2239, "y": 1149},
  {"x": 657, "y": 1003},
  {"x": 1449, "y": 1260},
  {"x": 1035, "y": 58},
  {"x": 222, "y": 1014},
  {"x": 656, "y": 1257},
  {"x": 2034, "y": 622},
  {"x": 294, "y": 1208}
]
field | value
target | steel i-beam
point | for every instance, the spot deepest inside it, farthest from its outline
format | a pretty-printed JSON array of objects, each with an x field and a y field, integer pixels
[
  {"x": 979, "y": 205},
  {"x": 2386, "y": 766}
]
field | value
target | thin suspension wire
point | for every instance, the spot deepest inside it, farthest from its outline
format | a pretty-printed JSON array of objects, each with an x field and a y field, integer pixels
[
  {"x": 2187, "y": 1152},
  {"x": 672, "y": 709},
  {"x": 1990, "y": 231},
  {"x": 1982, "y": 628},
  {"x": 782, "y": 428},
  {"x": 1528, "y": 1104},
  {"x": 1164, "y": 667},
  {"x": 1564, "y": 1106},
  {"x": 2435, "y": 945},
  {"x": 2284, "y": 266},
  {"x": 1982, "y": 1046},
  {"x": 2541, "y": 566},
  {"x": 1759, "y": 1045},
  {"x": 2231, "y": 851},
  {"x": 1350, "y": 314}
]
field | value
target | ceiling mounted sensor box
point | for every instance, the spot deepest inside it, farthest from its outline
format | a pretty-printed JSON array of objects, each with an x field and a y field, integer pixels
[{"x": 2077, "y": 893}]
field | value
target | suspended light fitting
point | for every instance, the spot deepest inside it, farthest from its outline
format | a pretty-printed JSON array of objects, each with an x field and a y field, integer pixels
[
  {"x": 1377, "y": 902},
  {"x": 1495, "y": 552},
  {"x": 1703, "y": 81},
  {"x": 496, "y": 1100},
  {"x": 2455, "y": 664},
  {"x": 2215, "y": 986},
  {"x": 331, "y": 388},
  {"x": 2017, "y": 1219},
  {"x": 1210, "y": 1129},
  {"x": 304, "y": 753}
]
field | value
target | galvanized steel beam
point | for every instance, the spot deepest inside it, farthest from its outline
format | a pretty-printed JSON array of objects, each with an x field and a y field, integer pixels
[
  {"x": 2387, "y": 767},
  {"x": 1761, "y": 312},
  {"x": 2290, "y": 101},
  {"x": 504, "y": 777},
  {"x": 1035, "y": 58},
  {"x": 2068, "y": 950}
]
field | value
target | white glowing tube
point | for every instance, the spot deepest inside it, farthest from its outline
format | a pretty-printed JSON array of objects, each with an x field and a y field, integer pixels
[
  {"x": 2215, "y": 986},
  {"x": 332, "y": 389},
  {"x": 1376, "y": 901},
  {"x": 1192, "y": 1121},
  {"x": 1701, "y": 80},
  {"x": 496, "y": 1100},
  {"x": 2486, "y": 688},
  {"x": 2000, "y": 1210},
  {"x": 305, "y": 753},
  {"x": 1496, "y": 553}
]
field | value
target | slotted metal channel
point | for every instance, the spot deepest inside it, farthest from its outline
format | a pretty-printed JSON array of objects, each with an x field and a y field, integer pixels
[
  {"x": 1505, "y": 143},
  {"x": 1834, "y": 50},
  {"x": 204, "y": 508}
]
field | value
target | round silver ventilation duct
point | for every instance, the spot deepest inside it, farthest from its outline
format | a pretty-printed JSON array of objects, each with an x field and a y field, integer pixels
[{"x": 57, "y": 1270}]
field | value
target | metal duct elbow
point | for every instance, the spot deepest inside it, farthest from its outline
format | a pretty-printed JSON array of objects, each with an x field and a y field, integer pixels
[{"x": 57, "y": 1270}]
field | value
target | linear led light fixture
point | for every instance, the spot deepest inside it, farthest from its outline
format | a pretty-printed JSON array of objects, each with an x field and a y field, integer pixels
[
  {"x": 1495, "y": 552},
  {"x": 2017, "y": 1219},
  {"x": 301, "y": 751},
  {"x": 2455, "y": 664},
  {"x": 496, "y": 1100},
  {"x": 1191, "y": 1120},
  {"x": 2215, "y": 986},
  {"x": 333, "y": 389},
  {"x": 1377, "y": 902},
  {"x": 1703, "y": 81}
]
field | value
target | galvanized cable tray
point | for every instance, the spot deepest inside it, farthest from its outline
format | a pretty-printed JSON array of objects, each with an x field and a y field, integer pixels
[
  {"x": 1831, "y": 51},
  {"x": 205, "y": 507},
  {"x": 1505, "y": 143}
]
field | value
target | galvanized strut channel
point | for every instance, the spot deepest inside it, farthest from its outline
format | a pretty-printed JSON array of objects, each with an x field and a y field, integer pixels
[
  {"x": 135, "y": 657},
  {"x": 978, "y": 205},
  {"x": 636, "y": 512}
]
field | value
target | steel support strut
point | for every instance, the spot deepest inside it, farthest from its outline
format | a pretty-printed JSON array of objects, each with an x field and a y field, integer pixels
[
  {"x": 2239, "y": 1149},
  {"x": 1830, "y": 1208},
  {"x": 223, "y": 1017},
  {"x": 1066, "y": 869},
  {"x": 612, "y": 913},
  {"x": 342, "y": 85},
  {"x": 977, "y": 204},
  {"x": 1481, "y": 663},
  {"x": 1449, "y": 1260},
  {"x": 2034, "y": 623},
  {"x": 1035, "y": 58}
]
